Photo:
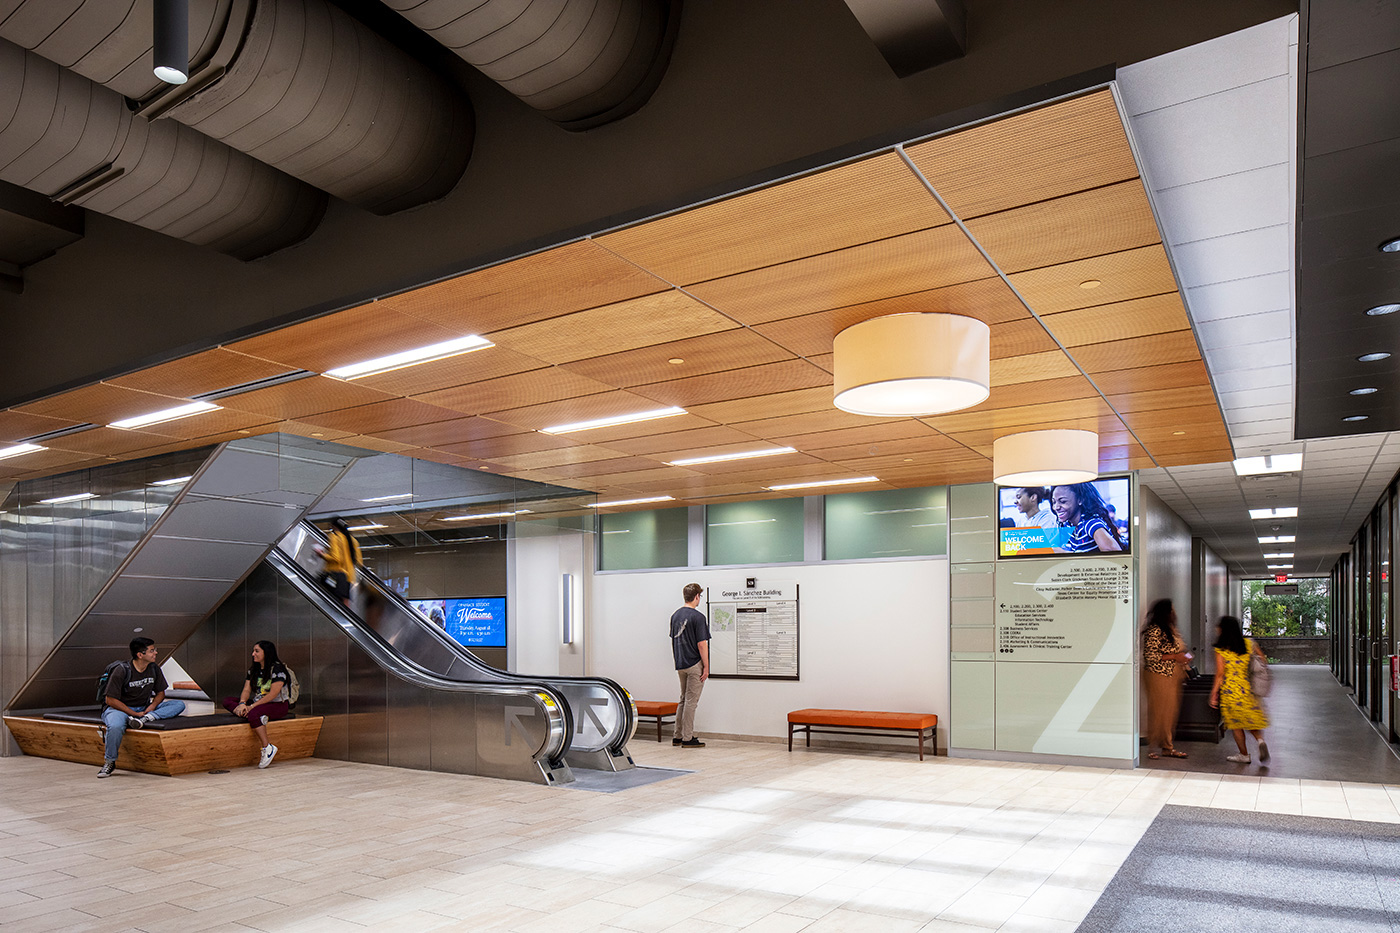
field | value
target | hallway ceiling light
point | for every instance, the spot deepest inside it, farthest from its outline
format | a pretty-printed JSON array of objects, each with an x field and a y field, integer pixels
[
  {"x": 164, "y": 415},
  {"x": 1045, "y": 458},
  {"x": 1280, "y": 512},
  {"x": 467, "y": 518},
  {"x": 604, "y": 505},
  {"x": 1278, "y": 539},
  {"x": 16, "y": 450},
  {"x": 722, "y": 458},
  {"x": 614, "y": 420},
  {"x": 1279, "y": 566},
  {"x": 76, "y": 497},
  {"x": 369, "y": 527},
  {"x": 912, "y": 364},
  {"x": 170, "y": 34},
  {"x": 1276, "y": 463},
  {"x": 397, "y": 495},
  {"x": 429, "y": 354},
  {"x": 825, "y": 482},
  {"x": 1282, "y": 555}
]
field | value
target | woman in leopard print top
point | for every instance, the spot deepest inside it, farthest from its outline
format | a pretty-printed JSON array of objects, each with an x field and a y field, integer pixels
[{"x": 1164, "y": 658}]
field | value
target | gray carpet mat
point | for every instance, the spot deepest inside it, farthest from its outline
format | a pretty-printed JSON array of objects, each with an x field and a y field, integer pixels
[
  {"x": 1232, "y": 870},
  {"x": 610, "y": 782}
]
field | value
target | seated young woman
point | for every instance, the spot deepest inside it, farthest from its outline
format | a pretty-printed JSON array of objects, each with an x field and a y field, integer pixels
[{"x": 264, "y": 697}]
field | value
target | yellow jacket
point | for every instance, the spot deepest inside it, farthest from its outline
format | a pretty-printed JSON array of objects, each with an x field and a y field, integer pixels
[{"x": 342, "y": 555}]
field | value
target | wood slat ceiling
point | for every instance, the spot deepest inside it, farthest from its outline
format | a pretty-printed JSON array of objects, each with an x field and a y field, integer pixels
[{"x": 729, "y": 310}]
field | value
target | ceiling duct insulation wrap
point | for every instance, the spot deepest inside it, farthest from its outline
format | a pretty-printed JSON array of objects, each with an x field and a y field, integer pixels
[
  {"x": 582, "y": 63},
  {"x": 298, "y": 84},
  {"x": 79, "y": 143}
]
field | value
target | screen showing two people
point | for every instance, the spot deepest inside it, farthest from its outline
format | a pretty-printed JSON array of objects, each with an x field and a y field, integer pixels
[
  {"x": 478, "y": 622},
  {"x": 1080, "y": 518}
]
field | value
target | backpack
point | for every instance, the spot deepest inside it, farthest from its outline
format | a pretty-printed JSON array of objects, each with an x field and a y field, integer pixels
[
  {"x": 104, "y": 679},
  {"x": 293, "y": 687}
]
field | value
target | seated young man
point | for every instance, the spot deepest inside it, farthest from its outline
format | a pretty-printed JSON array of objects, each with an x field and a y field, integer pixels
[{"x": 135, "y": 696}]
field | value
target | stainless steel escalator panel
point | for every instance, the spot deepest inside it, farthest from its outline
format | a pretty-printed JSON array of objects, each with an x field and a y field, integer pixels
[
  {"x": 182, "y": 557},
  {"x": 200, "y": 519}
]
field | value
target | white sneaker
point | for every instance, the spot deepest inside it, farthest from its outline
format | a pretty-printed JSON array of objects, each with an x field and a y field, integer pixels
[
  {"x": 1239, "y": 759},
  {"x": 269, "y": 752}
]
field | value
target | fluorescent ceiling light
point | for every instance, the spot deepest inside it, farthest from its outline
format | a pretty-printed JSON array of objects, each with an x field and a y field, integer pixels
[
  {"x": 397, "y": 495},
  {"x": 1282, "y": 555},
  {"x": 1278, "y": 463},
  {"x": 745, "y": 455},
  {"x": 604, "y": 505},
  {"x": 371, "y": 547},
  {"x": 428, "y": 354},
  {"x": 1279, "y": 566},
  {"x": 467, "y": 518},
  {"x": 1278, "y": 539},
  {"x": 614, "y": 420},
  {"x": 1287, "y": 512},
  {"x": 76, "y": 497},
  {"x": 17, "y": 449},
  {"x": 172, "y": 482},
  {"x": 164, "y": 415},
  {"x": 825, "y": 482},
  {"x": 368, "y": 527}
]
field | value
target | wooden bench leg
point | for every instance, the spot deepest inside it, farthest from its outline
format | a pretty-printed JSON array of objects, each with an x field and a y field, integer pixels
[
  {"x": 789, "y": 737},
  {"x": 658, "y": 730}
]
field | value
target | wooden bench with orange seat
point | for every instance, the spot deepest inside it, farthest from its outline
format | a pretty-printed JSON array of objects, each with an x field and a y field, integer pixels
[
  {"x": 860, "y": 722},
  {"x": 655, "y": 710}
]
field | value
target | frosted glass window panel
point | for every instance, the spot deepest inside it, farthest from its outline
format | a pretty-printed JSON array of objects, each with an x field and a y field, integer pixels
[
  {"x": 642, "y": 540},
  {"x": 887, "y": 523},
  {"x": 766, "y": 532}
]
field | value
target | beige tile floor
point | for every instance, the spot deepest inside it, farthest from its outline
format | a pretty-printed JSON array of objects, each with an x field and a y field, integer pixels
[{"x": 757, "y": 839}]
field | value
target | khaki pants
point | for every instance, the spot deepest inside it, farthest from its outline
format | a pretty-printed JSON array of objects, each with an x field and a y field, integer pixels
[
  {"x": 691, "y": 685},
  {"x": 1163, "y": 705}
]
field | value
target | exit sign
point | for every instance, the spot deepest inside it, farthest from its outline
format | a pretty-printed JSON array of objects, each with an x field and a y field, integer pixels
[{"x": 1280, "y": 578}]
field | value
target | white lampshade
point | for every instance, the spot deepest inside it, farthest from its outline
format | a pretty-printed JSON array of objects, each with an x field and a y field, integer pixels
[
  {"x": 1045, "y": 458},
  {"x": 913, "y": 364}
]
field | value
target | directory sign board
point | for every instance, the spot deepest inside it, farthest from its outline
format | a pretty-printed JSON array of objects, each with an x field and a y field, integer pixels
[{"x": 753, "y": 631}]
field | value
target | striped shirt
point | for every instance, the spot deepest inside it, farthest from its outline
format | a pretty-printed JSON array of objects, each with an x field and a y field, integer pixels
[{"x": 1082, "y": 538}]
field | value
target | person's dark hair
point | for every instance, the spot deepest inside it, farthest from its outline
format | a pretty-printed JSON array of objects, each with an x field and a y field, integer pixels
[
  {"x": 139, "y": 644},
  {"x": 691, "y": 591},
  {"x": 1007, "y": 523},
  {"x": 1040, "y": 492},
  {"x": 269, "y": 658},
  {"x": 1160, "y": 615},
  {"x": 1091, "y": 504},
  {"x": 341, "y": 525},
  {"x": 1231, "y": 636}
]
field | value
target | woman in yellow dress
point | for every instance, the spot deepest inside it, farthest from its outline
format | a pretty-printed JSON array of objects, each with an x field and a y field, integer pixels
[{"x": 1240, "y": 709}]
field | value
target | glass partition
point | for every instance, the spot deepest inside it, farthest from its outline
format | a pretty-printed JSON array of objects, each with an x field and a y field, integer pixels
[
  {"x": 887, "y": 523},
  {"x": 764, "y": 532},
  {"x": 643, "y": 540}
]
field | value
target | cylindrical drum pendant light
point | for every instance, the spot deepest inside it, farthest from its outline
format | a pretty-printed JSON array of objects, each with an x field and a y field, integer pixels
[
  {"x": 913, "y": 364},
  {"x": 171, "y": 35},
  {"x": 1045, "y": 458}
]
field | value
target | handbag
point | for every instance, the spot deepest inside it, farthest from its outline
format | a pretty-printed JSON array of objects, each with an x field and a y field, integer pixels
[{"x": 1261, "y": 679}]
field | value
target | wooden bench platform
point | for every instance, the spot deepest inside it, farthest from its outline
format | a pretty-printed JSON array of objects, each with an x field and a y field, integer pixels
[
  {"x": 852, "y": 722},
  {"x": 656, "y": 710},
  {"x": 181, "y": 751}
]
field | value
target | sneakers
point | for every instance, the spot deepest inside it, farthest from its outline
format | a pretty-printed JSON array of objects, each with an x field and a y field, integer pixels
[
  {"x": 692, "y": 743},
  {"x": 269, "y": 752},
  {"x": 107, "y": 768},
  {"x": 1263, "y": 751},
  {"x": 675, "y": 741},
  {"x": 135, "y": 722},
  {"x": 148, "y": 718},
  {"x": 1239, "y": 759}
]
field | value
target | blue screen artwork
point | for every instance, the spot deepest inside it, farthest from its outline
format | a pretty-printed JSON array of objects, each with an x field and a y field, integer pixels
[{"x": 476, "y": 622}]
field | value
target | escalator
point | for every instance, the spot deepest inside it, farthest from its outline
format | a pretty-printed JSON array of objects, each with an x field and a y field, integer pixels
[{"x": 601, "y": 713}]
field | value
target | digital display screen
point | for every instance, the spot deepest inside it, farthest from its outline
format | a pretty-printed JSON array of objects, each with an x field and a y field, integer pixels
[
  {"x": 1081, "y": 518},
  {"x": 475, "y": 622}
]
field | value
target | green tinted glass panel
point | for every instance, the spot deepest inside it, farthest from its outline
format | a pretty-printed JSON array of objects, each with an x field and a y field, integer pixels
[
  {"x": 892, "y": 523},
  {"x": 642, "y": 540},
  {"x": 766, "y": 532}
]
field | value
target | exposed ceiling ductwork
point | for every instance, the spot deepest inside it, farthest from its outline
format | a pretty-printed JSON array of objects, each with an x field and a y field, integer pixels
[
  {"x": 78, "y": 143},
  {"x": 581, "y": 63},
  {"x": 297, "y": 84}
]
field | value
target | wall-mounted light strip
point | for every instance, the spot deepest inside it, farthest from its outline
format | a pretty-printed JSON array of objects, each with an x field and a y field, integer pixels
[
  {"x": 397, "y": 495},
  {"x": 164, "y": 415},
  {"x": 76, "y": 497},
  {"x": 16, "y": 450},
  {"x": 723, "y": 458},
  {"x": 615, "y": 420},
  {"x": 825, "y": 482},
  {"x": 1286, "y": 512},
  {"x": 566, "y": 608},
  {"x": 605, "y": 505},
  {"x": 467, "y": 518},
  {"x": 428, "y": 354}
]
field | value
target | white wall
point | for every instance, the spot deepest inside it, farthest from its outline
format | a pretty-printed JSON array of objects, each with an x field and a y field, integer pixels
[
  {"x": 874, "y": 636},
  {"x": 535, "y": 565}
]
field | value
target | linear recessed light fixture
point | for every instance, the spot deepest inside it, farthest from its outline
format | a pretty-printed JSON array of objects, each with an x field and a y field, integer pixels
[
  {"x": 644, "y": 501},
  {"x": 172, "y": 482},
  {"x": 1281, "y": 555},
  {"x": 467, "y": 518},
  {"x": 373, "y": 547},
  {"x": 369, "y": 527},
  {"x": 397, "y": 495},
  {"x": 1279, "y": 566},
  {"x": 825, "y": 482},
  {"x": 1278, "y": 539},
  {"x": 16, "y": 450},
  {"x": 633, "y": 418},
  {"x": 164, "y": 415},
  {"x": 744, "y": 455},
  {"x": 428, "y": 354},
  {"x": 1281, "y": 512},
  {"x": 1277, "y": 463},
  {"x": 76, "y": 497}
]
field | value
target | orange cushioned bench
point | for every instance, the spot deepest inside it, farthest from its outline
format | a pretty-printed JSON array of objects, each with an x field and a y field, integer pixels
[
  {"x": 654, "y": 710},
  {"x": 852, "y": 722}
]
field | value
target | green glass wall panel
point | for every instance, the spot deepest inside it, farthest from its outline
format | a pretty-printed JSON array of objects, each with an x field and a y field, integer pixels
[
  {"x": 766, "y": 532},
  {"x": 643, "y": 540},
  {"x": 889, "y": 523}
]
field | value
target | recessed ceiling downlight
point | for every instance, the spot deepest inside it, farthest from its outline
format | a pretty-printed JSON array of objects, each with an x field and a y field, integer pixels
[
  {"x": 1378, "y": 310},
  {"x": 1390, "y": 246},
  {"x": 1364, "y": 390},
  {"x": 1372, "y": 357}
]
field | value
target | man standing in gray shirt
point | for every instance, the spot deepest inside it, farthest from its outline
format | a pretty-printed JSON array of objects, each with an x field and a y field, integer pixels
[{"x": 690, "y": 645}]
